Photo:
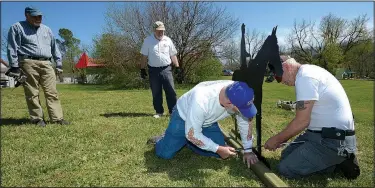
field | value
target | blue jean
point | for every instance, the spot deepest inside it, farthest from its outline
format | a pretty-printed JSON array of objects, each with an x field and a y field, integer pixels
[
  {"x": 162, "y": 78},
  {"x": 174, "y": 138}
]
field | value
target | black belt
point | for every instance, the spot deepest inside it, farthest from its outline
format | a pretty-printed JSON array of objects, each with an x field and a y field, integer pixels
[
  {"x": 163, "y": 67},
  {"x": 347, "y": 132},
  {"x": 36, "y": 58}
]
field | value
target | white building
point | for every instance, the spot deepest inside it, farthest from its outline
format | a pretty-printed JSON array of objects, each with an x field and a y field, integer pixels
[{"x": 5, "y": 81}]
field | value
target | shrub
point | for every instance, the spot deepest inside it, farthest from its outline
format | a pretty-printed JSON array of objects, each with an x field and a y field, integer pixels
[{"x": 209, "y": 69}]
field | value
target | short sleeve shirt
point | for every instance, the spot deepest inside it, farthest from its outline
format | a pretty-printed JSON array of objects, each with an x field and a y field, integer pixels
[{"x": 158, "y": 52}]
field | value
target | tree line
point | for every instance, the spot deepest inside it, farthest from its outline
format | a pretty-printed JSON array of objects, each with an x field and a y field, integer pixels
[
  {"x": 203, "y": 35},
  {"x": 334, "y": 43}
]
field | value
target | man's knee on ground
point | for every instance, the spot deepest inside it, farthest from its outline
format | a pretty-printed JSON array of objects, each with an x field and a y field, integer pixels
[
  {"x": 286, "y": 170},
  {"x": 164, "y": 154}
]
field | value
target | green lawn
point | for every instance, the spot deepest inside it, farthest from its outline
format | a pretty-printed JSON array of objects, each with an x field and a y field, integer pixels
[{"x": 106, "y": 143}]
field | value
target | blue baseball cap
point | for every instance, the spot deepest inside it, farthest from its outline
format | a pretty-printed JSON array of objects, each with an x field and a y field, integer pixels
[
  {"x": 241, "y": 96},
  {"x": 33, "y": 11}
]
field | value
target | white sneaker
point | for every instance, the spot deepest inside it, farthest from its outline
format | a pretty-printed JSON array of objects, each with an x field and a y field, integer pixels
[{"x": 158, "y": 116}]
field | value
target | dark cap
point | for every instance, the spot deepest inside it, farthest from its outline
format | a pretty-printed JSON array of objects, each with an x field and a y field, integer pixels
[{"x": 33, "y": 11}]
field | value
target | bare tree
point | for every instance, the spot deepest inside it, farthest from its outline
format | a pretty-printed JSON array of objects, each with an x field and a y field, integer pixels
[
  {"x": 302, "y": 45},
  {"x": 308, "y": 42},
  {"x": 355, "y": 33},
  {"x": 332, "y": 28},
  {"x": 284, "y": 49},
  {"x": 254, "y": 40},
  {"x": 195, "y": 27},
  {"x": 230, "y": 54}
]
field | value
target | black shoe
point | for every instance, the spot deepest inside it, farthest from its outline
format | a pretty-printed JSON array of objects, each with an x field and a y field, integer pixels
[
  {"x": 39, "y": 122},
  {"x": 153, "y": 140},
  {"x": 62, "y": 122},
  {"x": 349, "y": 167}
]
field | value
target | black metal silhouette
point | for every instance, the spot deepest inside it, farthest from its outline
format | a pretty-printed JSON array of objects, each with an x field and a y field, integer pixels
[{"x": 253, "y": 73}]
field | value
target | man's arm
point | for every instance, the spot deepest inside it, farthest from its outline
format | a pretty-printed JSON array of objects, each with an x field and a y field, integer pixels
[
  {"x": 144, "y": 52},
  {"x": 299, "y": 123},
  {"x": 55, "y": 51},
  {"x": 143, "y": 62},
  {"x": 14, "y": 43},
  {"x": 175, "y": 61},
  {"x": 173, "y": 54},
  {"x": 195, "y": 118},
  {"x": 245, "y": 127}
]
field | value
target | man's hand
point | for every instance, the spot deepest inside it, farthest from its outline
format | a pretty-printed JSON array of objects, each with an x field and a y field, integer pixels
[
  {"x": 226, "y": 151},
  {"x": 143, "y": 73},
  {"x": 178, "y": 73},
  {"x": 249, "y": 158},
  {"x": 178, "y": 70},
  {"x": 14, "y": 72},
  {"x": 273, "y": 143},
  {"x": 59, "y": 69}
]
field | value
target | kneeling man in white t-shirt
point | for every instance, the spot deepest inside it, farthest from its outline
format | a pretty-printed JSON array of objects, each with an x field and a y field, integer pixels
[{"x": 324, "y": 111}]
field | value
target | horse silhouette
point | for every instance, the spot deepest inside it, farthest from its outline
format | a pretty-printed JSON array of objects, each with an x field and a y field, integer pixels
[{"x": 253, "y": 73}]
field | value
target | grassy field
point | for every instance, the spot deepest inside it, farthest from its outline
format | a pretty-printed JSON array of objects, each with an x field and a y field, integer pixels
[{"x": 106, "y": 143}]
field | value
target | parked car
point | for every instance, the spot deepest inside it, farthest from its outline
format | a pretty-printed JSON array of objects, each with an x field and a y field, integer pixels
[{"x": 227, "y": 72}]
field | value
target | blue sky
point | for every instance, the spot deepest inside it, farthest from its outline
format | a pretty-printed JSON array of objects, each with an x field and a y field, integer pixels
[{"x": 87, "y": 19}]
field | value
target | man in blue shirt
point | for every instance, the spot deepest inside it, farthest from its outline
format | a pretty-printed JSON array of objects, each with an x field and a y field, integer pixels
[{"x": 31, "y": 46}]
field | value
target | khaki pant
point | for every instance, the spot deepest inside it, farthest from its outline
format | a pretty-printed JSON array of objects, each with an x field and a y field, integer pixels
[{"x": 41, "y": 73}]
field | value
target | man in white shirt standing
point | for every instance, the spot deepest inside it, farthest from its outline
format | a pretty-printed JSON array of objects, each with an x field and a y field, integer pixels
[
  {"x": 194, "y": 121},
  {"x": 323, "y": 109},
  {"x": 160, "y": 52}
]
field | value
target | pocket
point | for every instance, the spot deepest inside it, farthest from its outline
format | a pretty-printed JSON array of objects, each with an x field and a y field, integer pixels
[
  {"x": 151, "y": 71},
  {"x": 169, "y": 69},
  {"x": 330, "y": 143},
  {"x": 164, "y": 48}
]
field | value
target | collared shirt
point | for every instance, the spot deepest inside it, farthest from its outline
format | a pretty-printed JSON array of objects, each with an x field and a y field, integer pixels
[
  {"x": 158, "y": 52},
  {"x": 200, "y": 107},
  {"x": 25, "y": 39}
]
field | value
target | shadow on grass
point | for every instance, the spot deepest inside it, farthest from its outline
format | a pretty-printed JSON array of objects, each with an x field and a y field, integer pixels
[
  {"x": 126, "y": 114},
  {"x": 97, "y": 87},
  {"x": 317, "y": 180},
  {"x": 184, "y": 166},
  {"x": 194, "y": 168},
  {"x": 14, "y": 122}
]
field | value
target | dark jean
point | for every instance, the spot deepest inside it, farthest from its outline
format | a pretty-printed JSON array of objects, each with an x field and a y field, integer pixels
[
  {"x": 162, "y": 78},
  {"x": 316, "y": 156},
  {"x": 174, "y": 138}
]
